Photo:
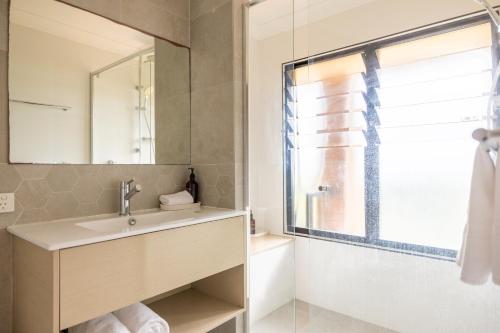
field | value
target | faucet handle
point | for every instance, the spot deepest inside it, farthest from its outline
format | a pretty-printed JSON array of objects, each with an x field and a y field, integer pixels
[
  {"x": 131, "y": 181},
  {"x": 138, "y": 188}
]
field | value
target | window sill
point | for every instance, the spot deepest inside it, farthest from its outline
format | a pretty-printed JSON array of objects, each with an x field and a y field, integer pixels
[
  {"x": 389, "y": 246},
  {"x": 266, "y": 242}
]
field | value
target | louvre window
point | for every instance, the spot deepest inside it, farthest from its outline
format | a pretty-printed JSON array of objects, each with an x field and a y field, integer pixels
[{"x": 377, "y": 139}]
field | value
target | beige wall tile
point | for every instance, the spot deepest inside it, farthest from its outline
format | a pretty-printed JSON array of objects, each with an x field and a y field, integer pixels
[
  {"x": 33, "y": 215},
  {"x": 61, "y": 205},
  {"x": 239, "y": 186},
  {"x": 173, "y": 104},
  {"x": 239, "y": 130},
  {"x": 217, "y": 100},
  {"x": 216, "y": 184},
  {"x": 171, "y": 80},
  {"x": 4, "y": 25},
  {"x": 87, "y": 189},
  {"x": 87, "y": 209},
  {"x": 171, "y": 179},
  {"x": 6, "y": 307},
  {"x": 166, "y": 19},
  {"x": 87, "y": 170},
  {"x": 108, "y": 201},
  {"x": 238, "y": 43},
  {"x": 157, "y": 20},
  {"x": 109, "y": 8},
  {"x": 8, "y": 219},
  {"x": 4, "y": 148},
  {"x": 201, "y": 7},
  {"x": 176, "y": 7},
  {"x": 148, "y": 197},
  {"x": 4, "y": 108},
  {"x": 238, "y": 121},
  {"x": 9, "y": 179},
  {"x": 62, "y": 178},
  {"x": 32, "y": 171},
  {"x": 37, "y": 200},
  {"x": 212, "y": 48},
  {"x": 110, "y": 176},
  {"x": 212, "y": 111},
  {"x": 173, "y": 129},
  {"x": 129, "y": 172},
  {"x": 33, "y": 193},
  {"x": 166, "y": 185}
]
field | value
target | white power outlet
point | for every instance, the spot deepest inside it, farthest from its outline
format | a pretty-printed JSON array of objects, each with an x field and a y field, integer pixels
[{"x": 7, "y": 202}]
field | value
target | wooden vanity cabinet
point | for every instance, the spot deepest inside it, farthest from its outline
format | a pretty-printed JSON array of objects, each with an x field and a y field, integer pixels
[{"x": 55, "y": 290}]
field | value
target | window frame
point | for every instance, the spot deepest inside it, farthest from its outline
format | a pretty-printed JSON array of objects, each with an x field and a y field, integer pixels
[{"x": 372, "y": 199}]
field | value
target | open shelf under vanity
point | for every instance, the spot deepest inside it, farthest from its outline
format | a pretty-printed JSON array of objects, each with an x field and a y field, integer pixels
[
  {"x": 192, "y": 311},
  {"x": 202, "y": 305}
]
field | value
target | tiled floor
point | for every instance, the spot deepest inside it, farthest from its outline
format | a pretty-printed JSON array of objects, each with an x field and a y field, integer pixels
[{"x": 312, "y": 319}]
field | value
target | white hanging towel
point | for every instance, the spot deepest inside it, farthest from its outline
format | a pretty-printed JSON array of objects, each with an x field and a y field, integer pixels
[
  {"x": 495, "y": 244},
  {"x": 104, "y": 324},
  {"x": 475, "y": 256},
  {"x": 140, "y": 319}
]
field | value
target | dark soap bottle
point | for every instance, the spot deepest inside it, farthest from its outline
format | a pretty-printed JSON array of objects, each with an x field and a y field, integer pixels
[
  {"x": 252, "y": 224},
  {"x": 192, "y": 186}
]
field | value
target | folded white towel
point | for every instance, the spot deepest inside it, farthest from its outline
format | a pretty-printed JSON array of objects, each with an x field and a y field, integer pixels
[
  {"x": 140, "y": 319},
  {"x": 475, "y": 255},
  {"x": 495, "y": 243},
  {"x": 179, "y": 198},
  {"x": 104, "y": 324}
]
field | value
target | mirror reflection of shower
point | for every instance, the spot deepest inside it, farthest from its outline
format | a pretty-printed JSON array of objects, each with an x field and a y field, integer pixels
[{"x": 123, "y": 109}]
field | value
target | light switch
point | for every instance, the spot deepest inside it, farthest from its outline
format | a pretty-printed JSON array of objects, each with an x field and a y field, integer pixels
[{"x": 7, "y": 202}]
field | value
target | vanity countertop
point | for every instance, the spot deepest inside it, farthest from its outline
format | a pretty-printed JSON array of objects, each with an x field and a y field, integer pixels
[{"x": 62, "y": 234}]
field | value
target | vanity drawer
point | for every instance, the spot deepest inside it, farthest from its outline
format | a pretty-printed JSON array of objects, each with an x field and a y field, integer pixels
[{"x": 99, "y": 278}]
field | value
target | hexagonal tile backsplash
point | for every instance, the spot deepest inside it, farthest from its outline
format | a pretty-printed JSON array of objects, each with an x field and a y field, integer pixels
[{"x": 45, "y": 192}]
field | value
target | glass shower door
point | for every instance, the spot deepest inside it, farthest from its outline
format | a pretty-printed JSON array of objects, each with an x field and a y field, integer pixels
[
  {"x": 368, "y": 108},
  {"x": 271, "y": 272},
  {"x": 123, "y": 101}
]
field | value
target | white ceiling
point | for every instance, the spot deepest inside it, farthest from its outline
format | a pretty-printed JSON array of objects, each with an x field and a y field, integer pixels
[
  {"x": 67, "y": 22},
  {"x": 274, "y": 16}
]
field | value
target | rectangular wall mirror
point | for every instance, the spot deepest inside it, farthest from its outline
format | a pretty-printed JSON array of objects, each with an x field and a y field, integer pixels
[{"x": 86, "y": 90}]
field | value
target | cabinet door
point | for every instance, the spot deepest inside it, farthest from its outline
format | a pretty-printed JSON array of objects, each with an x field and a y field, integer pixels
[
  {"x": 36, "y": 288},
  {"x": 100, "y": 278}
]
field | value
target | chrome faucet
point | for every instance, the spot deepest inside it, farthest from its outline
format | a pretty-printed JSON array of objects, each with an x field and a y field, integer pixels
[{"x": 125, "y": 194}]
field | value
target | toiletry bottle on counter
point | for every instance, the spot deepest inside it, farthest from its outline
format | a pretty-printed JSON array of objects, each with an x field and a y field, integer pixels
[
  {"x": 252, "y": 224},
  {"x": 192, "y": 186}
]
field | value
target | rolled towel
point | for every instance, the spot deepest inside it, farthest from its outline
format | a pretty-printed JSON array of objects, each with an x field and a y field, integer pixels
[
  {"x": 179, "y": 198},
  {"x": 104, "y": 324},
  {"x": 140, "y": 319}
]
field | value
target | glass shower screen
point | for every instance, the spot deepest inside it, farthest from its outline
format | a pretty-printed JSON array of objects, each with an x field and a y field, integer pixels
[
  {"x": 360, "y": 116},
  {"x": 123, "y": 110}
]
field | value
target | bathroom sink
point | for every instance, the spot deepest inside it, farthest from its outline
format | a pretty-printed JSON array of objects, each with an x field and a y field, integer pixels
[
  {"x": 121, "y": 224},
  {"x": 66, "y": 233}
]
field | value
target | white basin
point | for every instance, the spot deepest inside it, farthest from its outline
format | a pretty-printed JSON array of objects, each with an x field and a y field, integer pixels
[
  {"x": 57, "y": 235},
  {"x": 142, "y": 221}
]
